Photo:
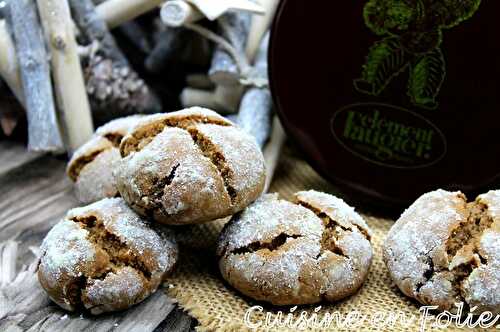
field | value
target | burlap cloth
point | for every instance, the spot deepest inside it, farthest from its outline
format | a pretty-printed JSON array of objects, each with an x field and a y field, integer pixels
[{"x": 199, "y": 289}]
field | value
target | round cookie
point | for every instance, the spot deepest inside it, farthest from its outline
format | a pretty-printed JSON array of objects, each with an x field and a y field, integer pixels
[
  {"x": 444, "y": 250},
  {"x": 189, "y": 167},
  {"x": 315, "y": 249},
  {"x": 91, "y": 167},
  {"x": 103, "y": 258}
]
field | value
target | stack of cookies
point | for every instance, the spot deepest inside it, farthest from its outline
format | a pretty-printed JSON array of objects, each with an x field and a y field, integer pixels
[
  {"x": 145, "y": 174},
  {"x": 140, "y": 173}
]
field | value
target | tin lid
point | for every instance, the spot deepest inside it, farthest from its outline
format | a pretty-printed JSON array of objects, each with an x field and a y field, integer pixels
[{"x": 391, "y": 99}]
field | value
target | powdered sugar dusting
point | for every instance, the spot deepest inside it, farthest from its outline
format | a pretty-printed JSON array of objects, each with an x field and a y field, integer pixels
[
  {"x": 195, "y": 191},
  {"x": 92, "y": 164},
  {"x": 70, "y": 260},
  {"x": 335, "y": 208},
  {"x": 267, "y": 218},
  {"x": 420, "y": 231},
  {"x": 96, "y": 180},
  {"x": 243, "y": 157},
  {"x": 417, "y": 257},
  {"x": 483, "y": 283},
  {"x": 114, "y": 292},
  {"x": 120, "y": 220},
  {"x": 65, "y": 251},
  {"x": 119, "y": 126},
  {"x": 172, "y": 178},
  {"x": 297, "y": 270}
]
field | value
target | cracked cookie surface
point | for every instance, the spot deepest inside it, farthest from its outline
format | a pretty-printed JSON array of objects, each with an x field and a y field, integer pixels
[
  {"x": 103, "y": 258},
  {"x": 317, "y": 248},
  {"x": 444, "y": 250},
  {"x": 91, "y": 166},
  {"x": 189, "y": 167}
]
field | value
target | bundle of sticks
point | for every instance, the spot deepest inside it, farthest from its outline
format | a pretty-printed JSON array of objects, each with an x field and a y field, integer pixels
[{"x": 73, "y": 64}]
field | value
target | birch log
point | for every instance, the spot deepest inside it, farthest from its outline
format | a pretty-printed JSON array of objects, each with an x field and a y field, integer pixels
[
  {"x": 70, "y": 90},
  {"x": 256, "y": 105},
  {"x": 43, "y": 129},
  {"x": 234, "y": 28},
  {"x": 115, "y": 12},
  {"x": 114, "y": 87}
]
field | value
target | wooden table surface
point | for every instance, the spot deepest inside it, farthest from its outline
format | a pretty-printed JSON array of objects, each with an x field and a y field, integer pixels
[{"x": 34, "y": 195}]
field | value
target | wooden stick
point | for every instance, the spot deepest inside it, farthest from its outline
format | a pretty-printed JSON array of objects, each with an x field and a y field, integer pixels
[
  {"x": 234, "y": 28},
  {"x": 223, "y": 99},
  {"x": 43, "y": 129},
  {"x": 191, "y": 97},
  {"x": 228, "y": 98},
  {"x": 260, "y": 24},
  {"x": 199, "y": 81},
  {"x": 67, "y": 72},
  {"x": 9, "y": 66},
  {"x": 272, "y": 151},
  {"x": 116, "y": 12},
  {"x": 215, "y": 9},
  {"x": 255, "y": 111},
  {"x": 176, "y": 13},
  {"x": 255, "y": 114}
]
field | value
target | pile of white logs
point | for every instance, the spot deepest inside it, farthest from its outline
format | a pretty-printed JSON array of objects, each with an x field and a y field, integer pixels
[{"x": 44, "y": 43}]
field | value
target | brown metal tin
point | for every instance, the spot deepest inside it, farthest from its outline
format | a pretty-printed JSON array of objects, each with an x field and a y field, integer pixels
[{"x": 389, "y": 104}]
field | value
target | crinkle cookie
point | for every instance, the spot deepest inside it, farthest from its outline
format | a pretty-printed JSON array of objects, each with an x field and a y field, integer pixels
[
  {"x": 103, "y": 258},
  {"x": 315, "y": 249},
  {"x": 91, "y": 167},
  {"x": 189, "y": 167},
  {"x": 444, "y": 250}
]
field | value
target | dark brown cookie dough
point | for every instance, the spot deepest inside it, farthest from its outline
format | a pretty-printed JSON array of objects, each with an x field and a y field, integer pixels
[
  {"x": 189, "y": 167},
  {"x": 103, "y": 258}
]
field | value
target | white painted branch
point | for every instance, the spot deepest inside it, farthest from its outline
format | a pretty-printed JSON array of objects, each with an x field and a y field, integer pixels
[
  {"x": 272, "y": 151},
  {"x": 67, "y": 72},
  {"x": 199, "y": 81},
  {"x": 228, "y": 98},
  {"x": 234, "y": 28},
  {"x": 176, "y": 13},
  {"x": 196, "y": 97},
  {"x": 115, "y": 12},
  {"x": 260, "y": 24},
  {"x": 213, "y": 9},
  {"x": 223, "y": 99},
  {"x": 43, "y": 128},
  {"x": 9, "y": 67},
  {"x": 255, "y": 114}
]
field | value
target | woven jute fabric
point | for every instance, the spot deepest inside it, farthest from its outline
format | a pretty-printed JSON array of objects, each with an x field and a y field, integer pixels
[{"x": 200, "y": 290}]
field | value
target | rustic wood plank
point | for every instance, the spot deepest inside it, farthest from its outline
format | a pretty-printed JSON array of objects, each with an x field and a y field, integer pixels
[
  {"x": 34, "y": 197},
  {"x": 14, "y": 154},
  {"x": 176, "y": 321}
]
